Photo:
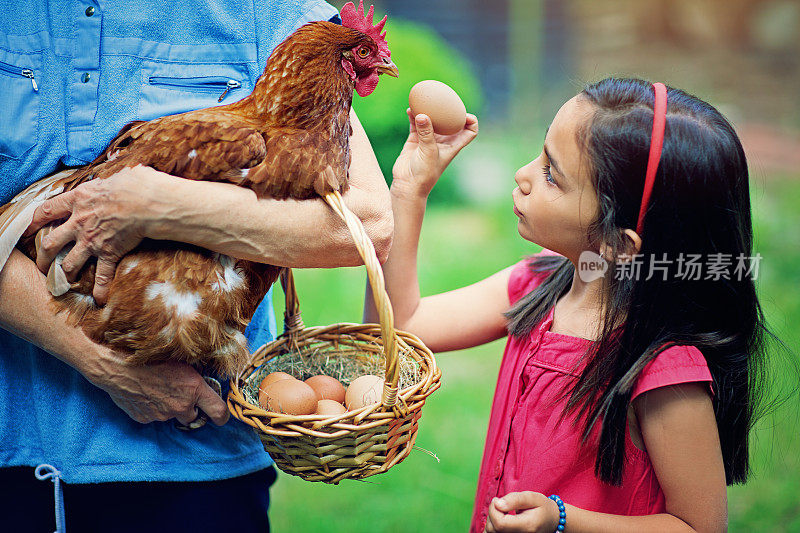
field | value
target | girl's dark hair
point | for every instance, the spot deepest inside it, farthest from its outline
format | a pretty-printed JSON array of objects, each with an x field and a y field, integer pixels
[{"x": 700, "y": 204}]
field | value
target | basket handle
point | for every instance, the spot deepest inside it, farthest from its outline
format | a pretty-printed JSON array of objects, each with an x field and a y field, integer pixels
[{"x": 293, "y": 323}]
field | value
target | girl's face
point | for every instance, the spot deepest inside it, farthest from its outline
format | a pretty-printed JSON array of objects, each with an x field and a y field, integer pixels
[{"x": 555, "y": 199}]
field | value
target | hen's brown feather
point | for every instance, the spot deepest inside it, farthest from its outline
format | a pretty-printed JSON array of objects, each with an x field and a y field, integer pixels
[
  {"x": 195, "y": 145},
  {"x": 287, "y": 171}
]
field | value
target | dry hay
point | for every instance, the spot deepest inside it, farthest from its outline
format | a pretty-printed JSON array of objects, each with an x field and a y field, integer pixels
[{"x": 343, "y": 362}]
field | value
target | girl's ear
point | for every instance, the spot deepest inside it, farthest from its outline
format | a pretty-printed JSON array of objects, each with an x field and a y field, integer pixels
[{"x": 631, "y": 243}]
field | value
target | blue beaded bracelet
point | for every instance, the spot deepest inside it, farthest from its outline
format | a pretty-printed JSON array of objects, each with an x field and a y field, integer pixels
[{"x": 562, "y": 513}]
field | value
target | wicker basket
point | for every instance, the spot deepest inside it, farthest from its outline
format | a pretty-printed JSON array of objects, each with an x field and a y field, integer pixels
[{"x": 359, "y": 443}]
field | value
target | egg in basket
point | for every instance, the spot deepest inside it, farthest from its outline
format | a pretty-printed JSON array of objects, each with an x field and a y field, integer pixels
[{"x": 362, "y": 441}]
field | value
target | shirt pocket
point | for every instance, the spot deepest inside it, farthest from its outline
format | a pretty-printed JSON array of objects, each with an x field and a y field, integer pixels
[
  {"x": 20, "y": 75},
  {"x": 170, "y": 88}
]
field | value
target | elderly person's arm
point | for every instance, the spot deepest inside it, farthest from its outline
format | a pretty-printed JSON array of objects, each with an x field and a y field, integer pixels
[{"x": 108, "y": 218}]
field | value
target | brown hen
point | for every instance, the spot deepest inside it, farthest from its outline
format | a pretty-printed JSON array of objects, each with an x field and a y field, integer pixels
[{"x": 288, "y": 138}]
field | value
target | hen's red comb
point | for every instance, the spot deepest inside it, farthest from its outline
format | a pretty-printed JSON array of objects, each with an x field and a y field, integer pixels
[{"x": 357, "y": 20}]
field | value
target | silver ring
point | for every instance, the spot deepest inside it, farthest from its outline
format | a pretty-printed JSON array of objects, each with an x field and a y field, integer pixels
[{"x": 199, "y": 421}]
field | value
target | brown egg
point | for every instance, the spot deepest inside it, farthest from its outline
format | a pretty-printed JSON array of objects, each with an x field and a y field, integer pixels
[
  {"x": 272, "y": 378},
  {"x": 330, "y": 407},
  {"x": 364, "y": 390},
  {"x": 441, "y": 104},
  {"x": 269, "y": 380},
  {"x": 327, "y": 388},
  {"x": 290, "y": 396}
]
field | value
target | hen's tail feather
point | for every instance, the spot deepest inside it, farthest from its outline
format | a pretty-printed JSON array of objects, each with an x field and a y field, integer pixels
[{"x": 16, "y": 215}]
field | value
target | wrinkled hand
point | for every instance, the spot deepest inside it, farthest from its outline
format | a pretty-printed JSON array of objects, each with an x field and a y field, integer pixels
[
  {"x": 157, "y": 392},
  {"x": 104, "y": 218},
  {"x": 534, "y": 512},
  {"x": 426, "y": 154}
]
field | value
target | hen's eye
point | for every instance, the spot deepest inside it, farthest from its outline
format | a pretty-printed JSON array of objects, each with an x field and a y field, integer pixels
[{"x": 363, "y": 52}]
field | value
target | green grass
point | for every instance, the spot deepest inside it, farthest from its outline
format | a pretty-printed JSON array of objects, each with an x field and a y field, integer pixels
[{"x": 463, "y": 245}]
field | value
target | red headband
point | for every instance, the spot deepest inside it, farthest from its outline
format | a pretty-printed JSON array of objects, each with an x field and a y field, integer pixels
[{"x": 656, "y": 143}]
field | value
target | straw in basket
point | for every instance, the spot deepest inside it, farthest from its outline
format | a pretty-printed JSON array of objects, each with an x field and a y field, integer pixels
[{"x": 358, "y": 443}]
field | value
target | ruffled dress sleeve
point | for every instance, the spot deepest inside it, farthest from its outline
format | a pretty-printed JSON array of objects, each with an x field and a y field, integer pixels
[{"x": 673, "y": 366}]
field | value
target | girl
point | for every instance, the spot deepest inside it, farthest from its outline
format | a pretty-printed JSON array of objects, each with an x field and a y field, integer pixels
[{"x": 633, "y": 360}]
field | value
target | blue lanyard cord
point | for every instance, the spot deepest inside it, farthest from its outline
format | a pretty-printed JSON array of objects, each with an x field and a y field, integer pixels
[{"x": 45, "y": 471}]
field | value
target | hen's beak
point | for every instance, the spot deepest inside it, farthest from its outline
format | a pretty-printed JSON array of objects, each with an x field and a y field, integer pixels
[{"x": 387, "y": 67}]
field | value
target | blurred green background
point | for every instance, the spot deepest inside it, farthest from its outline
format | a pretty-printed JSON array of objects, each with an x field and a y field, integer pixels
[{"x": 515, "y": 62}]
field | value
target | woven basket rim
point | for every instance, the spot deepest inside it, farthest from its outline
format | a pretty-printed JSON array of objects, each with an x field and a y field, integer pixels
[{"x": 374, "y": 414}]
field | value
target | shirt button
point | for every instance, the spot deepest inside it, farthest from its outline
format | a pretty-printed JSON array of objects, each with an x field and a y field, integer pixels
[
  {"x": 86, "y": 77},
  {"x": 90, "y": 11}
]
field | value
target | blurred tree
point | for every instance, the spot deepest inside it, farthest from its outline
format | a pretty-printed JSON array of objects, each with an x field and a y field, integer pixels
[
  {"x": 542, "y": 51},
  {"x": 476, "y": 28},
  {"x": 420, "y": 54}
]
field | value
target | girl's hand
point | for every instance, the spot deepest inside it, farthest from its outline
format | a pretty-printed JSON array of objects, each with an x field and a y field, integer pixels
[
  {"x": 534, "y": 512},
  {"x": 426, "y": 154}
]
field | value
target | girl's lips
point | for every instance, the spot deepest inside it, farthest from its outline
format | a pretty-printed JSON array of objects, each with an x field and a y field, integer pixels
[{"x": 516, "y": 211}]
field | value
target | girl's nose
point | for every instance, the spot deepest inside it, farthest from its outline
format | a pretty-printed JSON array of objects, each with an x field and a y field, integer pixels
[{"x": 522, "y": 181}]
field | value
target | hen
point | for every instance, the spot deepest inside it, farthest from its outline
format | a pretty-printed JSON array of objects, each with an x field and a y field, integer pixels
[{"x": 288, "y": 138}]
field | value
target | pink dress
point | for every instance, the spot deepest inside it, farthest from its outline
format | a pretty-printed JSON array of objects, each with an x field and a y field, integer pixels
[{"x": 528, "y": 449}]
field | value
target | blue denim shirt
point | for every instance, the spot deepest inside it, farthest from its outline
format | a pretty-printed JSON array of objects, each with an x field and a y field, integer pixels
[{"x": 71, "y": 75}]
